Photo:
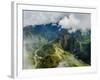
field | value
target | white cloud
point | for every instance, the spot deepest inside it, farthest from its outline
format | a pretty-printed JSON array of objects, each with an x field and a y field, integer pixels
[
  {"x": 69, "y": 22},
  {"x": 66, "y": 20},
  {"x": 38, "y": 17}
]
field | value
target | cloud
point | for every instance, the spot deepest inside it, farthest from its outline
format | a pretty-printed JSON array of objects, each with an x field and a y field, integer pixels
[
  {"x": 66, "y": 19},
  {"x": 70, "y": 22},
  {"x": 41, "y": 17}
]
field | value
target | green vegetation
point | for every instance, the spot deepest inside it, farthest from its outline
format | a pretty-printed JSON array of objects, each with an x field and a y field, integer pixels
[{"x": 52, "y": 55}]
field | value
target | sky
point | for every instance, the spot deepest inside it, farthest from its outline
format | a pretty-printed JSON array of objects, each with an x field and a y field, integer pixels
[{"x": 65, "y": 19}]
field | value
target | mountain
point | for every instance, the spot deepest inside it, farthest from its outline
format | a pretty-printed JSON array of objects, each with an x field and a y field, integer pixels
[
  {"x": 52, "y": 55},
  {"x": 75, "y": 46}
]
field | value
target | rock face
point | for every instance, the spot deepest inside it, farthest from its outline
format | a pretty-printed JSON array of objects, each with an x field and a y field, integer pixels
[{"x": 52, "y": 55}]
